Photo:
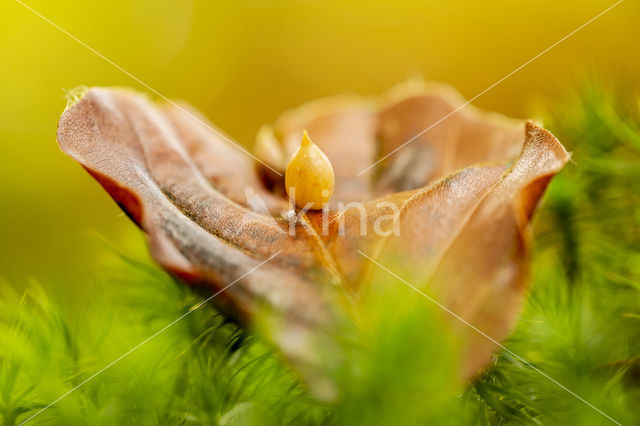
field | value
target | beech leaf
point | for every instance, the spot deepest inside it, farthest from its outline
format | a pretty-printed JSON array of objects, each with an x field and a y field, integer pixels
[{"x": 450, "y": 210}]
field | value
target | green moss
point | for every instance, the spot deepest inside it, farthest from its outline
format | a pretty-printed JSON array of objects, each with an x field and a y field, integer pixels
[{"x": 581, "y": 326}]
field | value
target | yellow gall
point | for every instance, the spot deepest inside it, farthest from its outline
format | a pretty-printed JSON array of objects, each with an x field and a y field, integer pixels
[{"x": 309, "y": 178}]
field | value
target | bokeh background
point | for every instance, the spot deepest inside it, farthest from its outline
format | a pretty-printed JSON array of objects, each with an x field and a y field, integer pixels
[{"x": 242, "y": 63}]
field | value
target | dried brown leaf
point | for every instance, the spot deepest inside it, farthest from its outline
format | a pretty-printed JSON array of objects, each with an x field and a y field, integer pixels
[{"x": 461, "y": 225}]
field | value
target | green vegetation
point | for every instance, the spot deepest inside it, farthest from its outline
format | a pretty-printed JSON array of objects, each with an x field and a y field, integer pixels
[{"x": 581, "y": 326}]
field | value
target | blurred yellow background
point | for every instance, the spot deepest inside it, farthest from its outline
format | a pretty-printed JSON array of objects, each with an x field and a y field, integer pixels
[{"x": 243, "y": 62}]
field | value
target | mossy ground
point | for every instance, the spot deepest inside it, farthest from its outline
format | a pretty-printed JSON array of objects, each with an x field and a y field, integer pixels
[{"x": 580, "y": 326}]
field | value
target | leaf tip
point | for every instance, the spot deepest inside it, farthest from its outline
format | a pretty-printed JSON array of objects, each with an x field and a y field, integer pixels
[{"x": 74, "y": 95}]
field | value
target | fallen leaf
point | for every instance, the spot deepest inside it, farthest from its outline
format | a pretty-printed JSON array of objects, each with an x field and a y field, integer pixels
[{"x": 458, "y": 230}]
